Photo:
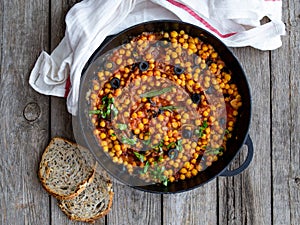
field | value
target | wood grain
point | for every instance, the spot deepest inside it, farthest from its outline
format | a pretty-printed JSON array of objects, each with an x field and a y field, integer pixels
[
  {"x": 286, "y": 121},
  {"x": 199, "y": 206},
  {"x": 23, "y": 112},
  {"x": 245, "y": 199},
  {"x": 134, "y": 207},
  {"x": 268, "y": 192}
]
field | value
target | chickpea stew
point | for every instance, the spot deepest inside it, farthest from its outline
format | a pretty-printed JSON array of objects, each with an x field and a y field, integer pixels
[{"x": 163, "y": 106}]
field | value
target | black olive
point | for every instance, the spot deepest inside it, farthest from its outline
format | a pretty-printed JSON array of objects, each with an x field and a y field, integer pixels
[
  {"x": 144, "y": 66},
  {"x": 159, "y": 111},
  {"x": 187, "y": 133},
  {"x": 178, "y": 70},
  {"x": 173, "y": 153},
  {"x": 196, "y": 98},
  {"x": 154, "y": 114},
  {"x": 132, "y": 67},
  {"x": 209, "y": 62},
  {"x": 115, "y": 83},
  {"x": 225, "y": 70},
  {"x": 151, "y": 102}
]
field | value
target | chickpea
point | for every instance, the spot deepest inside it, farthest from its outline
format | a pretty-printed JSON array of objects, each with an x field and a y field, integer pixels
[
  {"x": 171, "y": 179},
  {"x": 188, "y": 174},
  {"x": 136, "y": 131},
  {"x": 105, "y": 148},
  {"x": 183, "y": 170}
]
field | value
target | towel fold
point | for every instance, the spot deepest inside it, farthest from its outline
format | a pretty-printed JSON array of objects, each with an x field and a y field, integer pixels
[{"x": 89, "y": 22}]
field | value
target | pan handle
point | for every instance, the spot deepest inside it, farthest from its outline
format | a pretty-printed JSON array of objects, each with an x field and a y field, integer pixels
[{"x": 227, "y": 172}]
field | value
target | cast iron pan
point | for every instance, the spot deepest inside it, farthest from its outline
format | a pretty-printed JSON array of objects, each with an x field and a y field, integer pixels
[{"x": 234, "y": 145}]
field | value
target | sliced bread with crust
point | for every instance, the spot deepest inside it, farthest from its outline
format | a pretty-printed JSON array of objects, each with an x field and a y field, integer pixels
[
  {"x": 66, "y": 169},
  {"x": 91, "y": 204}
]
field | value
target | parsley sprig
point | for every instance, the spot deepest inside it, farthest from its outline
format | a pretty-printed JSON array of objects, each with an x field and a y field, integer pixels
[
  {"x": 201, "y": 129},
  {"x": 158, "y": 173},
  {"x": 128, "y": 141},
  {"x": 106, "y": 108},
  {"x": 139, "y": 156},
  {"x": 214, "y": 151}
]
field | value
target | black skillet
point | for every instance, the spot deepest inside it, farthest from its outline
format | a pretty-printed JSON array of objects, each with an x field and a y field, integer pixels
[{"x": 234, "y": 145}]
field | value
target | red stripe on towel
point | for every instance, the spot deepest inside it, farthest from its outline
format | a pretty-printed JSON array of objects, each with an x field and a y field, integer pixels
[
  {"x": 67, "y": 86},
  {"x": 203, "y": 21}
]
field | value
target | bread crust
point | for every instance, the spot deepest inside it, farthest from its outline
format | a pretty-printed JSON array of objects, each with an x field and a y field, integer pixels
[
  {"x": 92, "y": 219},
  {"x": 66, "y": 205},
  {"x": 44, "y": 169}
]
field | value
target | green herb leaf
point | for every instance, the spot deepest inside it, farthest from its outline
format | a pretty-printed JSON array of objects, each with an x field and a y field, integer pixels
[
  {"x": 153, "y": 93},
  {"x": 159, "y": 145},
  {"x": 104, "y": 99},
  {"x": 95, "y": 112},
  {"x": 169, "y": 107},
  {"x": 179, "y": 145},
  {"x": 214, "y": 151},
  {"x": 147, "y": 142},
  {"x": 128, "y": 141},
  {"x": 201, "y": 129},
  {"x": 139, "y": 156},
  {"x": 171, "y": 144},
  {"x": 165, "y": 181},
  {"x": 160, "y": 158},
  {"x": 114, "y": 110},
  {"x": 158, "y": 173},
  {"x": 146, "y": 167},
  {"x": 106, "y": 107},
  {"x": 122, "y": 126},
  {"x": 227, "y": 131}
]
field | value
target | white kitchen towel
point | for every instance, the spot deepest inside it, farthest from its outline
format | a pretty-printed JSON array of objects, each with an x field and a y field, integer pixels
[{"x": 89, "y": 22}]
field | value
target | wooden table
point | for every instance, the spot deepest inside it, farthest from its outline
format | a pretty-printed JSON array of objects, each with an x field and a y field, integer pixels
[{"x": 268, "y": 192}]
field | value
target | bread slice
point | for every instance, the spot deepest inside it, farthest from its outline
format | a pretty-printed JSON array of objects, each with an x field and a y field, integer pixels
[
  {"x": 66, "y": 169},
  {"x": 93, "y": 203}
]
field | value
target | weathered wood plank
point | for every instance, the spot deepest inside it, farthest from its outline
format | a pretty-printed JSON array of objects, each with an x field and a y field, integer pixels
[
  {"x": 195, "y": 207},
  {"x": 23, "y": 113},
  {"x": 61, "y": 120},
  {"x": 286, "y": 121},
  {"x": 134, "y": 207},
  {"x": 245, "y": 199}
]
